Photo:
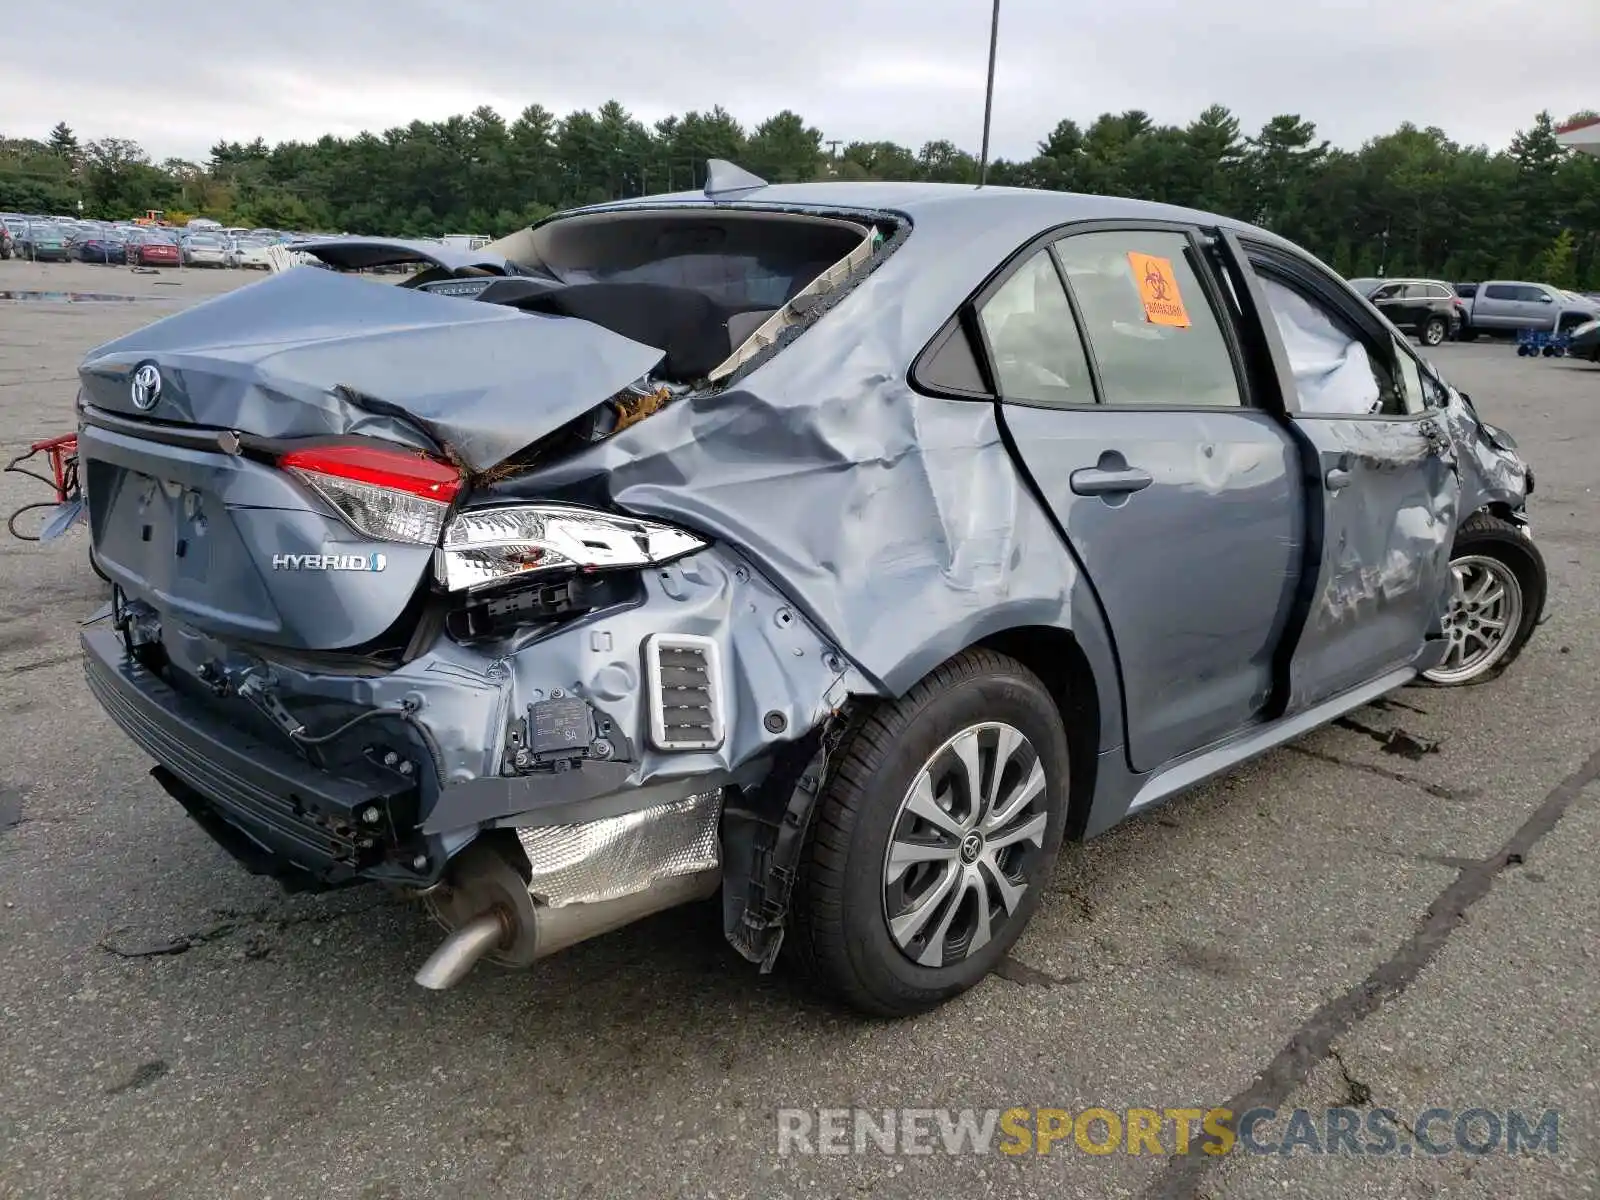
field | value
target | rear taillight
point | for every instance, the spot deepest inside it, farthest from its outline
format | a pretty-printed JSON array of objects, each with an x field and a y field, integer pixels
[
  {"x": 386, "y": 493},
  {"x": 489, "y": 545}
]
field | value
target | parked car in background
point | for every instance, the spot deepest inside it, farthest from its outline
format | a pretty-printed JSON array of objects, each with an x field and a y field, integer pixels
[
  {"x": 1585, "y": 341},
  {"x": 509, "y": 591},
  {"x": 42, "y": 241},
  {"x": 1506, "y": 306},
  {"x": 1426, "y": 308},
  {"x": 205, "y": 250},
  {"x": 98, "y": 246},
  {"x": 250, "y": 253},
  {"x": 146, "y": 248}
]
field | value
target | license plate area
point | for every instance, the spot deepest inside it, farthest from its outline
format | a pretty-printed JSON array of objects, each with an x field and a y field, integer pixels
[
  {"x": 175, "y": 543},
  {"x": 159, "y": 529}
]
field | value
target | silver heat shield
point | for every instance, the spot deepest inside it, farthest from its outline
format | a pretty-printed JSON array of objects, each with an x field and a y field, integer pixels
[{"x": 617, "y": 856}]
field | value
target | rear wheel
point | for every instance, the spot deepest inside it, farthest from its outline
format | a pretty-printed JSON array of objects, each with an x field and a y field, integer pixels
[
  {"x": 1499, "y": 594},
  {"x": 933, "y": 838},
  {"x": 1433, "y": 331}
]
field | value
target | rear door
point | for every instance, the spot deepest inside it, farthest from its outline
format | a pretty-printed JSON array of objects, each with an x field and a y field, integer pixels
[
  {"x": 1416, "y": 306},
  {"x": 1387, "y": 475},
  {"x": 1389, "y": 300},
  {"x": 1498, "y": 306},
  {"x": 1125, "y": 399}
]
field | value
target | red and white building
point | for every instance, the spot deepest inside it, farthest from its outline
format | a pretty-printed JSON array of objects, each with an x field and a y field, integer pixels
[{"x": 1581, "y": 135}]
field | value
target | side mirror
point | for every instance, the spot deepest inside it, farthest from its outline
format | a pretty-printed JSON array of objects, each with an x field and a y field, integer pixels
[{"x": 1546, "y": 298}]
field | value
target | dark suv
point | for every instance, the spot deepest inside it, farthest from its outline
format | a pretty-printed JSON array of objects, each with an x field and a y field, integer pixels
[{"x": 1427, "y": 308}]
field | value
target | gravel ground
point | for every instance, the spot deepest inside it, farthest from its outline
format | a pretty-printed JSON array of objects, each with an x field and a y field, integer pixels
[{"x": 1335, "y": 924}]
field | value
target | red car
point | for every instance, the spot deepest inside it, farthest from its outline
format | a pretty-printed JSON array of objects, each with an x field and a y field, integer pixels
[{"x": 152, "y": 252}]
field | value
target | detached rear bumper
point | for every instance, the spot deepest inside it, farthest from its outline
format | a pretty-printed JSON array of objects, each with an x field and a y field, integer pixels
[{"x": 276, "y": 813}]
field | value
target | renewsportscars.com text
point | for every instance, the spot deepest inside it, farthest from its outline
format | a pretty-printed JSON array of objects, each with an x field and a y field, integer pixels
[{"x": 1375, "y": 1132}]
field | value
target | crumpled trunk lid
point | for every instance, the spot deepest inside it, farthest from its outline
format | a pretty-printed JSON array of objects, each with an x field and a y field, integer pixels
[
  {"x": 311, "y": 352},
  {"x": 241, "y": 549}
]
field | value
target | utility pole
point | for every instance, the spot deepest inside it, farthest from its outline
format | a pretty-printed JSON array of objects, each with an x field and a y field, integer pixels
[
  {"x": 833, "y": 145},
  {"x": 988, "y": 96}
]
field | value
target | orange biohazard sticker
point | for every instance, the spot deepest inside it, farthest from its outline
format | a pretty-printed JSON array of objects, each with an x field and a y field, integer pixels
[{"x": 1158, "y": 288}]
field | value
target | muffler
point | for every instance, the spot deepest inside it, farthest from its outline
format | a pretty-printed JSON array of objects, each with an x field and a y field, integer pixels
[{"x": 490, "y": 912}]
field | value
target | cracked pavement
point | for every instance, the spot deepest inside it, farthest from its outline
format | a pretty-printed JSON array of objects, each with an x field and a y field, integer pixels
[{"x": 1400, "y": 910}]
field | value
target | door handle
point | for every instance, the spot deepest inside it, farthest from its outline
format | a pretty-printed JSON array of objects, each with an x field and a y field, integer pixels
[
  {"x": 1100, "y": 481},
  {"x": 1337, "y": 479}
]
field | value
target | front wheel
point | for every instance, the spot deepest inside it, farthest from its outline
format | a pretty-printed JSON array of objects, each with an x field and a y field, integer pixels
[
  {"x": 1433, "y": 332},
  {"x": 1499, "y": 594},
  {"x": 933, "y": 839}
]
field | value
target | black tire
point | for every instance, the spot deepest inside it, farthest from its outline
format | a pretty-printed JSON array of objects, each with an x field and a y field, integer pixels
[
  {"x": 1434, "y": 330},
  {"x": 1489, "y": 536},
  {"x": 1467, "y": 334},
  {"x": 840, "y": 934}
]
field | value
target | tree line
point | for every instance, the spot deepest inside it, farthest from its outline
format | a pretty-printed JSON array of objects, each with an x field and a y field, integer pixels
[{"x": 1412, "y": 202}]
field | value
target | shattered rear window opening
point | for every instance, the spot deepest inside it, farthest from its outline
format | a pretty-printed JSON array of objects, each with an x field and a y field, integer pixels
[{"x": 714, "y": 291}]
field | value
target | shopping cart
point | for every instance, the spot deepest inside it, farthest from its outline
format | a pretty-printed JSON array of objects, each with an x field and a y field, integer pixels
[
  {"x": 1535, "y": 343},
  {"x": 56, "y": 516}
]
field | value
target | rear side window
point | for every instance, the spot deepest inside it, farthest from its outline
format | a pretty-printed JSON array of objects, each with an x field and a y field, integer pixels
[
  {"x": 1156, "y": 339},
  {"x": 1037, "y": 354},
  {"x": 1437, "y": 291},
  {"x": 1501, "y": 291}
]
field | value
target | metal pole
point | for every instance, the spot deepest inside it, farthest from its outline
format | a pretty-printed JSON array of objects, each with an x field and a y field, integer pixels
[{"x": 988, "y": 97}]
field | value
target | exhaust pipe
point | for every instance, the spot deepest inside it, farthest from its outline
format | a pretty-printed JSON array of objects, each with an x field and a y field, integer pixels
[
  {"x": 461, "y": 950},
  {"x": 491, "y": 914}
]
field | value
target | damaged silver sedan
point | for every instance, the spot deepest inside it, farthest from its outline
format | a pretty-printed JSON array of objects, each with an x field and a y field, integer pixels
[{"x": 840, "y": 547}]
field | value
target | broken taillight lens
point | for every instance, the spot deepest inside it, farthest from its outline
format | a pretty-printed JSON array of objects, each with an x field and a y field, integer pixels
[
  {"x": 487, "y": 545},
  {"x": 392, "y": 495}
]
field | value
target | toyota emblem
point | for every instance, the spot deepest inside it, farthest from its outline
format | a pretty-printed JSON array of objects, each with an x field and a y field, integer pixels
[{"x": 146, "y": 388}]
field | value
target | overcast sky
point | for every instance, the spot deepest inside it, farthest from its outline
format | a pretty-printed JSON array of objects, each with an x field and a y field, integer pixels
[{"x": 181, "y": 74}]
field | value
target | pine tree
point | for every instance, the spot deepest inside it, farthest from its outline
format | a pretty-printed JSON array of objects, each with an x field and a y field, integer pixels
[{"x": 63, "y": 143}]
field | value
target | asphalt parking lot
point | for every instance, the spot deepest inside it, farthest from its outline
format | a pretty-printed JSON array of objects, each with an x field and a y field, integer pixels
[{"x": 1401, "y": 911}]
